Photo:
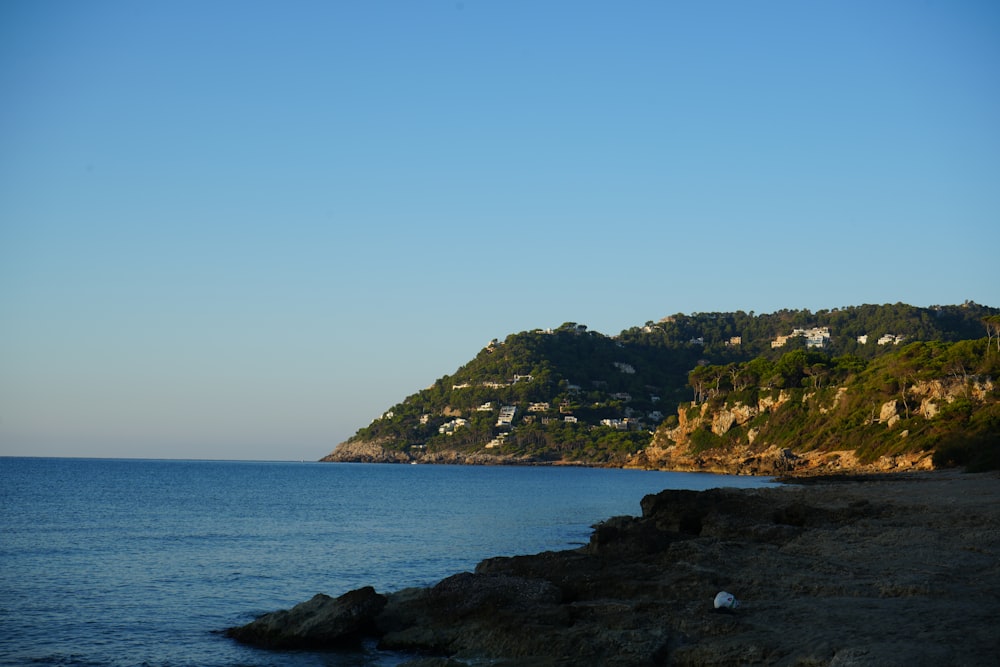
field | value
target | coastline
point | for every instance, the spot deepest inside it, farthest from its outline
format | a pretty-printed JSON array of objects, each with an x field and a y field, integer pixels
[
  {"x": 766, "y": 462},
  {"x": 900, "y": 568}
]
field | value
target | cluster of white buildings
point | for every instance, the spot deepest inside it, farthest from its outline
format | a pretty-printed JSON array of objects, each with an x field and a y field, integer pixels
[
  {"x": 495, "y": 385},
  {"x": 820, "y": 336},
  {"x": 449, "y": 428},
  {"x": 815, "y": 337},
  {"x": 887, "y": 339}
]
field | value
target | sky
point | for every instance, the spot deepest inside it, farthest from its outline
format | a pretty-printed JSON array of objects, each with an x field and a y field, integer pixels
[{"x": 242, "y": 230}]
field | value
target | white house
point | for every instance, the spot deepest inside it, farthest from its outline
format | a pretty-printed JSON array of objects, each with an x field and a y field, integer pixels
[
  {"x": 815, "y": 337},
  {"x": 497, "y": 441},
  {"x": 617, "y": 424},
  {"x": 495, "y": 385},
  {"x": 506, "y": 415},
  {"x": 891, "y": 338},
  {"x": 449, "y": 428}
]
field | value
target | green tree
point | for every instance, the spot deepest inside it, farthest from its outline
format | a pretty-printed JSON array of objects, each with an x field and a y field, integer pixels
[{"x": 992, "y": 324}]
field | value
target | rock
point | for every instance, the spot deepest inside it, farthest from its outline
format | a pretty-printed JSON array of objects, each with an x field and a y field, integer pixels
[
  {"x": 322, "y": 622},
  {"x": 722, "y": 421},
  {"x": 889, "y": 413},
  {"x": 484, "y": 611},
  {"x": 846, "y": 569},
  {"x": 367, "y": 451}
]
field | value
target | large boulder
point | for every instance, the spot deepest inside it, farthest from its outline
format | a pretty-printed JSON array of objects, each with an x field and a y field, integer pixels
[{"x": 322, "y": 622}]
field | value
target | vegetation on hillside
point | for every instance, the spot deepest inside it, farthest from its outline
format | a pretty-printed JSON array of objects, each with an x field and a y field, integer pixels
[
  {"x": 840, "y": 403},
  {"x": 581, "y": 396}
]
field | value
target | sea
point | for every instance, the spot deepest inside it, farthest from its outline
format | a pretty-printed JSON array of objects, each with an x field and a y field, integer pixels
[{"x": 128, "y": 562}]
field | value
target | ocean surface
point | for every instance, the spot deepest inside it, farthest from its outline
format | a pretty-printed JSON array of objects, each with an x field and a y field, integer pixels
[{"x": 114, "y": 563}]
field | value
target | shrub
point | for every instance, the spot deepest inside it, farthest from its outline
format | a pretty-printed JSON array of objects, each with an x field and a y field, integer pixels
[{"x": 703, "y": 439}]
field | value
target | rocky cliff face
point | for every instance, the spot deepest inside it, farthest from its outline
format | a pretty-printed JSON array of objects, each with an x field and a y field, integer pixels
[{"x": 751, "y": 451}]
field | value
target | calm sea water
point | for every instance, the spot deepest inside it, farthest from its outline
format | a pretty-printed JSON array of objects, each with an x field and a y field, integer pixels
[{"x": 109, "y": 563}]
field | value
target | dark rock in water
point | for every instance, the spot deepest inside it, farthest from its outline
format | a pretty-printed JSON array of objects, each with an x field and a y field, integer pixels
[
  {"x": 828, "y": 575},
  {"x": 322, "y": 622}
]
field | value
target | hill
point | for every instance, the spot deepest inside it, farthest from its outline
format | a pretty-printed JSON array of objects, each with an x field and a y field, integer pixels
[{"x": 723, "y": 391}]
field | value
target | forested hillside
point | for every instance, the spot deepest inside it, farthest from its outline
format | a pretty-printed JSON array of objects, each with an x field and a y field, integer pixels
[{"x": 575, "y": 395}]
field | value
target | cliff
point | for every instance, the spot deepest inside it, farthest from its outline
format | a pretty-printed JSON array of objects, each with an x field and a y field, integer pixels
[{"x": 733, "y": 437}]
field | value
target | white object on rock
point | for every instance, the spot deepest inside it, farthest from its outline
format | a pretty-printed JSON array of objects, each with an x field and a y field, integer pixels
[{"x": 726, "y": 600}]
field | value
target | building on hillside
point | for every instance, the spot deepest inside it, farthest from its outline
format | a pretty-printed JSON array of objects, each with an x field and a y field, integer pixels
[
  {"x": 617, "y": 424},
  {"x": 498, "y": 441},
  {"x": 891, "y": 339},
  {"x": 815, "y": 337},
  {"x": 449, "y": 428},
  {"x": 506, "y": 417}
]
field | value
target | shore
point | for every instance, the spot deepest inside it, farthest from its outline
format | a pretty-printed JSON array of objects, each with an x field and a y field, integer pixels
[{"x": 895, "y": 569}]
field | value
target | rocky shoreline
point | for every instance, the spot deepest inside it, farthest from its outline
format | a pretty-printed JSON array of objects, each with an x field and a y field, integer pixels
[
  {"x": 888, "y": 569},
  {"x": 737, "y": 460}
]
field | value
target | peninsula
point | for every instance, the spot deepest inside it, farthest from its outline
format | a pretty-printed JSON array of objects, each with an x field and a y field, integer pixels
[{"x": 858, "y": 389}]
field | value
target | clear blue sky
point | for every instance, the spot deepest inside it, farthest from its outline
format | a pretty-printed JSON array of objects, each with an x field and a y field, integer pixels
[{"x": 234, "y": 229}]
